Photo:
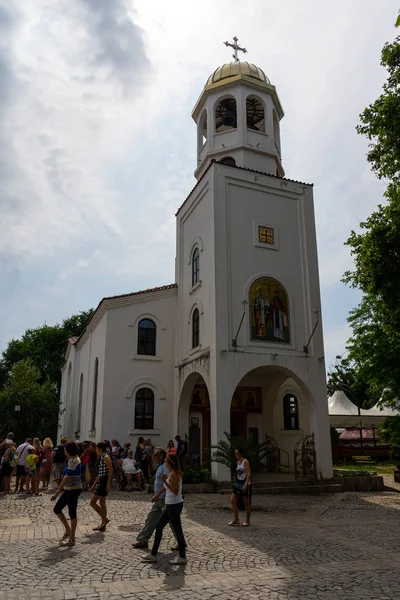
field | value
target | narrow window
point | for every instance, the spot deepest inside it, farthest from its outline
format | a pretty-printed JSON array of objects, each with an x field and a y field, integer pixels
[
  {"x": 80, "y": 398},
  {"x": 196, "y": 328},
  {"x": 146, "y": 337},
  {"x": 95, "y": 387},
  {"x": 144, "y": 409},
  {"x": 226, "y": 115},
  {"x": 195, "y": 266},
  {"x": 255, "y": 114},
  {"x": 290, "y": 412}
]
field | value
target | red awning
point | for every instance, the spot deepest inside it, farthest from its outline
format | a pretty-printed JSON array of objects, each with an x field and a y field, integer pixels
[{"x": 354, "y": 434}]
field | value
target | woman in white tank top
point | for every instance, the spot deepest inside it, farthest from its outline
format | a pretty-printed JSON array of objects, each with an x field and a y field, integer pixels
[
  {"x": 241, "y": 488},
  {"x": 172, "y": 511}
]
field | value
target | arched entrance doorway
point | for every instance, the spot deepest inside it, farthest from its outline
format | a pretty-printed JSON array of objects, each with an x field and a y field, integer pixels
[
  {"x": 194, "y": 419},
  {"x": 271, "y": 402}
]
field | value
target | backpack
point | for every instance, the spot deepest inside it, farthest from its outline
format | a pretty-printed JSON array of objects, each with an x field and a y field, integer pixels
[
  {"x": 59, "y": 454},
  {"x": 14, "y": 460}
]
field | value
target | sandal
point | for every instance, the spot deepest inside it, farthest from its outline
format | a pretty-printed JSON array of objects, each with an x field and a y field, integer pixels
[
  {"x": 232, "y": 523},
  {"x": 64, "y": 537},
  {"x": 245, "y": 524},
  {"x": 68, "y": 542}
]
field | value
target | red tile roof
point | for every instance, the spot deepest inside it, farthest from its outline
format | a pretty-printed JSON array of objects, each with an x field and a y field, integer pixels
[{"x": 170, "y": 286}]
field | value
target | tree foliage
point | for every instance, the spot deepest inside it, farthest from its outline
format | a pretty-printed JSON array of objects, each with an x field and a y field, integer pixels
[
  {"x": 347, "y": 374},
  {"x": 31, "y": 367},
  {"x": 45, "y": 346},
  {"x": 37, "y": 400},
  {"x": 380, "y": 121},
  {"x": 390, "y": 433},
  {"x": 374, "y": 347}
]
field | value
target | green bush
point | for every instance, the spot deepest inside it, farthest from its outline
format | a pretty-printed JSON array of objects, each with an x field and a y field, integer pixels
[
  {"x": 256, "y": 454},
  {"x": 196, "y": 475},
  {"x": 355, "y": 473}
]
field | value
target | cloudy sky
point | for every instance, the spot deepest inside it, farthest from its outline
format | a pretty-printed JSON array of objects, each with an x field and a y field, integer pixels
[{"x": 97, "y": 145}]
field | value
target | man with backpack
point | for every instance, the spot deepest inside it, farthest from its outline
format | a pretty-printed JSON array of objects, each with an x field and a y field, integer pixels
[
  {"x": 59, "y": 460},
  {"x": 22, "y": 466}
]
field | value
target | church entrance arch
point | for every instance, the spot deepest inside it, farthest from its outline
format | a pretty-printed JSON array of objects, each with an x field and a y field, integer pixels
[
  {"x": 272, "y": 403},
  {"x": 194, "y": 420}
]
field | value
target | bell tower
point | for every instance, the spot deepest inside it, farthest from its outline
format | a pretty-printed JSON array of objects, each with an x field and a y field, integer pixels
[{"x": 237, "y": 117}]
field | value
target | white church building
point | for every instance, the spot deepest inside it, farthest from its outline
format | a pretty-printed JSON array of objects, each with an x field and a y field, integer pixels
[{"x": 235, "y": 344}]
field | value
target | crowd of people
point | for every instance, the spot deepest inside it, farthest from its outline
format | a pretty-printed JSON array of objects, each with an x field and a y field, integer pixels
[{"x": 87, "y": 466}]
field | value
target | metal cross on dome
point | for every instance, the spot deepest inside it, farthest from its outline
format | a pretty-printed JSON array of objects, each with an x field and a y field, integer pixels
[{"x": 236, "y": 48}]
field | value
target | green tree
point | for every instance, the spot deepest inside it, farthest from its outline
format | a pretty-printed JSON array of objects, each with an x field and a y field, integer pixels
[
  {"x": 346, "y": 373},
  {"x": 390, "y": 433},
  {"x": 380, "y": 121},
  {"x": 45, "y": 346},
  {"x": 37, "y": 400},
  {"x": 375, "y": 342}
]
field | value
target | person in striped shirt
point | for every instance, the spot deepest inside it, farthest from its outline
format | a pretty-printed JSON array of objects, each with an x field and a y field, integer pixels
[{"x": 70, "y": 489}]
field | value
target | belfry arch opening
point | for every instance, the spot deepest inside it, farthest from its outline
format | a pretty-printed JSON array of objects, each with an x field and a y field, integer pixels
[
  {"x": 226, "y": 115},
  {"x": 194, "y": 419},
  {"x": 255, "y": 114}
]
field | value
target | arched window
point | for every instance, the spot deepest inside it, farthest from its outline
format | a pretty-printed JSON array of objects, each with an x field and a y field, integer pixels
[
  {"x": 195, "y": 266},
  {"x": 229, "y": 161},
  {"x": 146, "y": 337},
  {"x": 290, "y": 412},
  {"x": 226, "y": 115},
  {"x": 80, "y": 398},
  {"x": 95, "y": 388},
  {"x": 144, "y": 409},
  {"x": 255, "y": 115},
  {"x": 277, "y": 135},
  {"x": 196, "y": 328}
]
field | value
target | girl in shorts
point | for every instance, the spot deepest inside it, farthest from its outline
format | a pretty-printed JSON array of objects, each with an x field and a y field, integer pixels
[
  {"x": 102, "y": 486},
  {"x": 241, "y": 488},
  {"x": 71, "y": 488}
]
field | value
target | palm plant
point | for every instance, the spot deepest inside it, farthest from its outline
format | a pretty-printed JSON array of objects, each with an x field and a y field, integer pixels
[{"x": 224, "y": 452}]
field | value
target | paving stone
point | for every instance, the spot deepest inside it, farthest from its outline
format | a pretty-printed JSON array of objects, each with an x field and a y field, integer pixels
[{"x": 297, "y": 547}]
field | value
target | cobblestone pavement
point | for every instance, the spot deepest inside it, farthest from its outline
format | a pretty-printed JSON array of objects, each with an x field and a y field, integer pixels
[{"x": 341, "y": 546}]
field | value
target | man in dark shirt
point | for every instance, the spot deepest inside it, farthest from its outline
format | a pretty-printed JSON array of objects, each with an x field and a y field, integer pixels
[{"x": 181, "y": 450}]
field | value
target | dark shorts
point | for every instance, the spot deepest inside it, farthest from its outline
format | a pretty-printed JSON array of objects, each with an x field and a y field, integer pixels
[
  {"x": 21, "y": 471},
  {"x": 101, "y": 487},
  {"x": 6, "y": 469},
  {"x": 240, "y": 492},
  {"x": 68, "y": 498}
]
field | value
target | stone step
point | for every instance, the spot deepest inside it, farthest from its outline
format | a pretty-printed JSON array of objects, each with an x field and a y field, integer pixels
[{"x": 319, "y": 488}]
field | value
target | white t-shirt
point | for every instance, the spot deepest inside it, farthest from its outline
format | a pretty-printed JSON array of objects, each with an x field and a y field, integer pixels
[
  {"x": 170, "y": 497},
  {"x": 129, "y": 465},
  {"x": 23, "y": 451}
]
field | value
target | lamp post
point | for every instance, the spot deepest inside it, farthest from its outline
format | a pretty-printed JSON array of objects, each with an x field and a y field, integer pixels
[{"x": 347, "y": 389}]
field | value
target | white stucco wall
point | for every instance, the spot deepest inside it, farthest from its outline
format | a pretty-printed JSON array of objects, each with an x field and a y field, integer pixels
[{"x": 127, "y": 372}]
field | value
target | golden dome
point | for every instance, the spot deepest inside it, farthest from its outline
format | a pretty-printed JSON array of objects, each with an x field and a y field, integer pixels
[{"x": 235, "y": 69}]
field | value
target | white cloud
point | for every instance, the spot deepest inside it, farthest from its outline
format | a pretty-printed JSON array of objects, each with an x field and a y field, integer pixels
[{"x": 67, "y": 67}]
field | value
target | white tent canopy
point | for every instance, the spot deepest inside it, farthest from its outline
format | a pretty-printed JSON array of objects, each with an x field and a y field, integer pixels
[{"x": 343, "y": 413}]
